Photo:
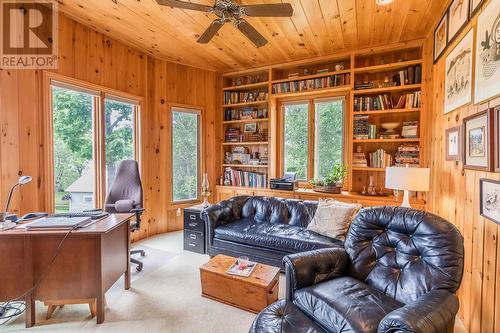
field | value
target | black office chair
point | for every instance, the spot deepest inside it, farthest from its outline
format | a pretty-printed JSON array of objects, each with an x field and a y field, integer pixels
[{"x": 125, "y": 196}]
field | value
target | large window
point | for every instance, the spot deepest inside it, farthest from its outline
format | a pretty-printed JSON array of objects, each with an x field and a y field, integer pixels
[
  {"x": 313, "y": 137},
  {"x": 185, "y": 154},
  {"x": 91, "y": 132}
]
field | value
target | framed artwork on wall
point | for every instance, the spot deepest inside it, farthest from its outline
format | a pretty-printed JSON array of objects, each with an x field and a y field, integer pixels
[
  {"x": 474, "y": 7},
  {"x": 458, "y": 75},
  {"x": 487, "y": 78},
  {"x": 478, "y": 141},
  {"x": 458, "y": 15},
  {"x": 441, "y": 37},
  {"x": 497, "y": 138},
  {"x": 489, "y": 192},
  {"x": 454, "y": 143}
]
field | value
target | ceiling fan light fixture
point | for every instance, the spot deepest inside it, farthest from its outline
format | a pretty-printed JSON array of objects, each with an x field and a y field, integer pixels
[{"x": 384, "y": 2}]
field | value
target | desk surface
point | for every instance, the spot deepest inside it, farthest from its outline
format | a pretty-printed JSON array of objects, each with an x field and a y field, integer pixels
[{"x": 103, "y": 225}]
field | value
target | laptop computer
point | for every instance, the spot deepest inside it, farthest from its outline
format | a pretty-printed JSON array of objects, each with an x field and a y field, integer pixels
[{"x": 61, "y": 223}]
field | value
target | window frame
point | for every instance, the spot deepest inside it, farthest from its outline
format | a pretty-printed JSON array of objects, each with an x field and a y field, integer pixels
[
  {"x": 99, "y": 93},
  {"x": 175, "y": 107},
  {"x": 311, "y": 101}
]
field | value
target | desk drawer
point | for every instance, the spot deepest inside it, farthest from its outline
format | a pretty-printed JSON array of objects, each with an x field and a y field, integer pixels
[
  {"x": 193, "y": 221},
  {"x": 194, "y": 241}
]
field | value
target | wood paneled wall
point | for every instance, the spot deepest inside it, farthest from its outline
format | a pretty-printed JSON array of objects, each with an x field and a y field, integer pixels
[
  {"x": 93, "y": 57},
  {"x": 454, "y": 195}
]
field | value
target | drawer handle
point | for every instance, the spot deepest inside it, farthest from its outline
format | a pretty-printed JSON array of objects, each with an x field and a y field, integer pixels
[
  {"x": 193, "y": 224},
  {"x": 192, "y": 245},
  {"x": 192, "y": 217},
  {"x": 192, "y": 236}
]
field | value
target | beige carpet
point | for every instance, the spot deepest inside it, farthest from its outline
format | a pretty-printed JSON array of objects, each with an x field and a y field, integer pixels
[{"x": 165, "y": 299}]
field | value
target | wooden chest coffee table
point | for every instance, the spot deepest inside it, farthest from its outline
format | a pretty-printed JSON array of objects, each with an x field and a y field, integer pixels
[{"x": 251, "y": 293}]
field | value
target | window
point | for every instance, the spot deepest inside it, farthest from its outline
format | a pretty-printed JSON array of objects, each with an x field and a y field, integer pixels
[
  {"x": 185, "y": 154},
  {"x": 313, "y": 137}
]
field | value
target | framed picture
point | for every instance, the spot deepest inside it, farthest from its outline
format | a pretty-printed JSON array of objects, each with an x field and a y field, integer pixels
[
  {"x": 474, "y": 7},
  {"x": 497, "y": 138},
  {"x": 458, "y": 79},
  {"x": 250, "y": 128},
  {"x": 489, "y": 193},
  {"x": 478, "y": 132},
  {"x": 454, "y": 143},
  {"x": 487, "y": 78},
  {"x": 458, "y": 15},
  {"x": 441, "y": 37}
]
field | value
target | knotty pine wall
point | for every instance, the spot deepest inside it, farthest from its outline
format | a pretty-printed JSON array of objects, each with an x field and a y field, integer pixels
[
  {"x": 454, "y": 195},
  {"x": 92, "y": 57}
]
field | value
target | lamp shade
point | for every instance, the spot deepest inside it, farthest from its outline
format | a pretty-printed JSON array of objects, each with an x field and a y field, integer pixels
[{"x": 407, "y": 179}]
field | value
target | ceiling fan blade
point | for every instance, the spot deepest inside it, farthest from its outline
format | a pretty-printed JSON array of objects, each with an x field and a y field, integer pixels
[
  {"x": 210, "y": 32},
  {"x": 268, "y": 10},
  {"x": 250, "y": 32},
  {"x": 184, "y": 5}
]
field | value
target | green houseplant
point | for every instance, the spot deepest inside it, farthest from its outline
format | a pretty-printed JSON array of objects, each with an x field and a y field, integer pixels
[{"x": 332, "y": 182}]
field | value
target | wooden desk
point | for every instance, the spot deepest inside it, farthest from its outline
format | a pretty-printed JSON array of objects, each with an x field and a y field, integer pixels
[{"x": 90, "y": 261}]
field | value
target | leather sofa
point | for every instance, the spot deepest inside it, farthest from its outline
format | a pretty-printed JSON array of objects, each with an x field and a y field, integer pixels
[
  {"x": 398, "y": 272},
  {"x": 265, "y": 229}
]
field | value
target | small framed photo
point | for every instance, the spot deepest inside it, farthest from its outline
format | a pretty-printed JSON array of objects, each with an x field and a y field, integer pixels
[
  {"x": 489, "y": 192},
  {"x": 474, "y": 7},
  {"x": 441, "y": 37},
  {"x": 497, "y": 138},
  {"x": 478, "y": 132},
  {"x": 458, "y": 15},
  {"x": 250, "y": 128},
  {"x": 454, "y": 143}
]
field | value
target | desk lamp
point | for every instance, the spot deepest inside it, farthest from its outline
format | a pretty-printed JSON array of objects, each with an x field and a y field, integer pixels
[
  {"x": 407, "y": 179},
  {"x": 7, "y": 220}
]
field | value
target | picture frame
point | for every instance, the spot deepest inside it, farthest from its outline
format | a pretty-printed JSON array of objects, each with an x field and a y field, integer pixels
[
  {"x": 487, "y": 61},
  {"x": 475, "y": 5},
  {"x": 489, "y": 199},
  {"x": 250, "y": 128},
  {"x": 454, "y": 143},
  {"x": 441, "y": 37},
  {"x": 458, "y": 16},
  {"x": 458, "y": 74},
  {"x": 497, "y": 138},
  {"x": 479, "y": 141}
]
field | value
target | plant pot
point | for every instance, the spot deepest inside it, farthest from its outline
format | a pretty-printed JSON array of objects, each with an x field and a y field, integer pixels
[{"x": 335, "y": 189}]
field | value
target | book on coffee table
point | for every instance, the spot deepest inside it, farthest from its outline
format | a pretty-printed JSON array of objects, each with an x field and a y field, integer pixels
[{"x": 241, "y": 270}]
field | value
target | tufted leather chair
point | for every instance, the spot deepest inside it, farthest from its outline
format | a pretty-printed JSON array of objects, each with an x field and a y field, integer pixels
[{"x": 398, "y": 272}]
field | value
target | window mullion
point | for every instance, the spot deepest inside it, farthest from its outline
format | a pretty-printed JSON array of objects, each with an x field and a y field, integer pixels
[
  {"x": 311, "y": 134},
  {"x": 100, "y": 150}
]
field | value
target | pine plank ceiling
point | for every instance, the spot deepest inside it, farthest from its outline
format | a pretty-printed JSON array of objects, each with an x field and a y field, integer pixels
[{"x": 317, "y": 28}]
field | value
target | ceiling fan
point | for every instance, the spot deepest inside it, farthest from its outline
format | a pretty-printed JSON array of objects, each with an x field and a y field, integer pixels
[{"x": 230, "y": 11}]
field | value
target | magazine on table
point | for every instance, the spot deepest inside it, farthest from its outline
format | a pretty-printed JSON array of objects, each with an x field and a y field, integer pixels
[{"x": 241, "y": 268}]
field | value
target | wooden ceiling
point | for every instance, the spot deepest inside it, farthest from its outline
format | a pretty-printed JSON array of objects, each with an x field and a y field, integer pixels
[{"x": 317, "y": 28}]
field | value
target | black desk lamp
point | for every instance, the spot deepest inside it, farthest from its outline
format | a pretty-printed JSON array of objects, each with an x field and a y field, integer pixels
[{"x": 5, "y": 218}]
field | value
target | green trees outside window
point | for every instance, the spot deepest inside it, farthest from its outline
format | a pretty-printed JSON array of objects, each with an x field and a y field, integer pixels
[{"x": 296, "y": 124}]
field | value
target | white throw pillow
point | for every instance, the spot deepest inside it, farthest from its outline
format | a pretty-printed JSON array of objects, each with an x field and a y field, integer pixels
[{"x": 333, "y": 218}]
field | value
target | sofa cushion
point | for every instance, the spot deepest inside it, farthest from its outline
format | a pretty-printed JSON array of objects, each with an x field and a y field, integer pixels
[
  {"x": 345, "y": 305},
  {"x": 274, "y": 236},
  {"x": 333, "y": 218}
]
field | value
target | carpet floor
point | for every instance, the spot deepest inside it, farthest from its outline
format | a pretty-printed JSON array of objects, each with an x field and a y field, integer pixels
[{"x": 164, "y": 297}]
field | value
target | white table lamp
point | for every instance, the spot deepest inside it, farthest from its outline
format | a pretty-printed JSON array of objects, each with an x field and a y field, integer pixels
[{"x": 407, "y": 179}]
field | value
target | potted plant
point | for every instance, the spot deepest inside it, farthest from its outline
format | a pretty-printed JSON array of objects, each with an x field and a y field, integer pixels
[{"x": 333, "y": 182}]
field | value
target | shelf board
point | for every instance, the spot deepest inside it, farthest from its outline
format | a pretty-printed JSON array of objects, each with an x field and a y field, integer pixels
[
  {"x": 244, "y": 121},
  {"x": 245, "y": 166},
  {"x": 312, "y": 76},
  {"x": 388, "y": 89},
  {"x": 244, "y": 104},
  {"x": 368, "y": 169},
  {"x": 387, "y": 67},
  {"x": 247, "y": 86},
  {"x": 388, "y": 111},
  {"x": 244, "y": 143},
  {"x": 313, "y": 91},
  {"x": 385, "y": 140}
]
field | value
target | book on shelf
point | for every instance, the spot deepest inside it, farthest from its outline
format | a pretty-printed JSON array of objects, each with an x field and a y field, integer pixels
[
  {"x": 410, "y": 100},
  {"x": 311, "y": 84},
  {"x": 235, "y": 177},
  {"x": 359, "y": 160},
  {"x": 408, "y": 76},
  {"x": 380, "y": 159},
  {"x": 246, "y": 113},
  {"x": 235, "y": 97},
  {"x": 410, "y": 129},
  {"x": 232, "y": 135},
  {"x": 408, "y": 153},
  {"x": 361, "y": 127},
  {"x": 385, "y": 102}
]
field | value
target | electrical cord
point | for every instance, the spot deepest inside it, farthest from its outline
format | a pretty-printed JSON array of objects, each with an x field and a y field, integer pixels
[{"x": 14, "y": 307}]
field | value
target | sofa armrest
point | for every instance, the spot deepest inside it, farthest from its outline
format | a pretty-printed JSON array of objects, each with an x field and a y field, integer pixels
[
  {"x": 433, "y": 312},
  {"x": 308, "y": 268}
]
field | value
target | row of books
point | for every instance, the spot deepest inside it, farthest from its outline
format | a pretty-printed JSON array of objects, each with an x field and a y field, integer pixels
[
  {"x": 232, "y": 135},
  {"x": 235, "y": 177},
  {"x": 385, "y": 102},
  {"x": 408, "y": 153},
  {"x": 380, "y": 159},
  {"x": 410, "y": 129},
  {"x": 410, "y": 75},
  {"x": 361, "y": 127},
  {"x": 311, "y": 84},
  {"x": 234, "y": 97},
  {"x": 410, "y": 100},
  {"x": 246, "y": 113}
]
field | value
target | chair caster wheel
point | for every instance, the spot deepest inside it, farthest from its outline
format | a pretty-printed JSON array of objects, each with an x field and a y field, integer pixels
[{"x": 138, "y": 268}]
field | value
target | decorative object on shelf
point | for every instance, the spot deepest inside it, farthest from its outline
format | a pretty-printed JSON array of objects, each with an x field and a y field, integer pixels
[
  {"x": 390, "y": 130},
  {"x": 497, "y": 138},
  {"x": 490, "y": 199},
  {"x": 441, "y": 37},
  {"x": 250, "y": 128},
  {"x": 479, "y": 141},
  {"x": 205, "y": 190},
  {"x": 333, "y": 182},
  {"x": 487, "y": 78},
  {"x": 474, "y": 7},
  {"x": 458, "y": 75},
  {"x": 407, "y": 179},
  {"x": 454, "y": 147},
  {"x": 339, "y": 67},
  {"x": 458, "y": 15}
]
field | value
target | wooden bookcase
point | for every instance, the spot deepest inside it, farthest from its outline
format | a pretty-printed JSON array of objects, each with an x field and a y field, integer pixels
[{"x": 323, "y": 77}]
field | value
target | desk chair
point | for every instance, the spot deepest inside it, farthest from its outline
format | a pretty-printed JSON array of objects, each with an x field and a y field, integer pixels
[{"x": 125, "y": 196}]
